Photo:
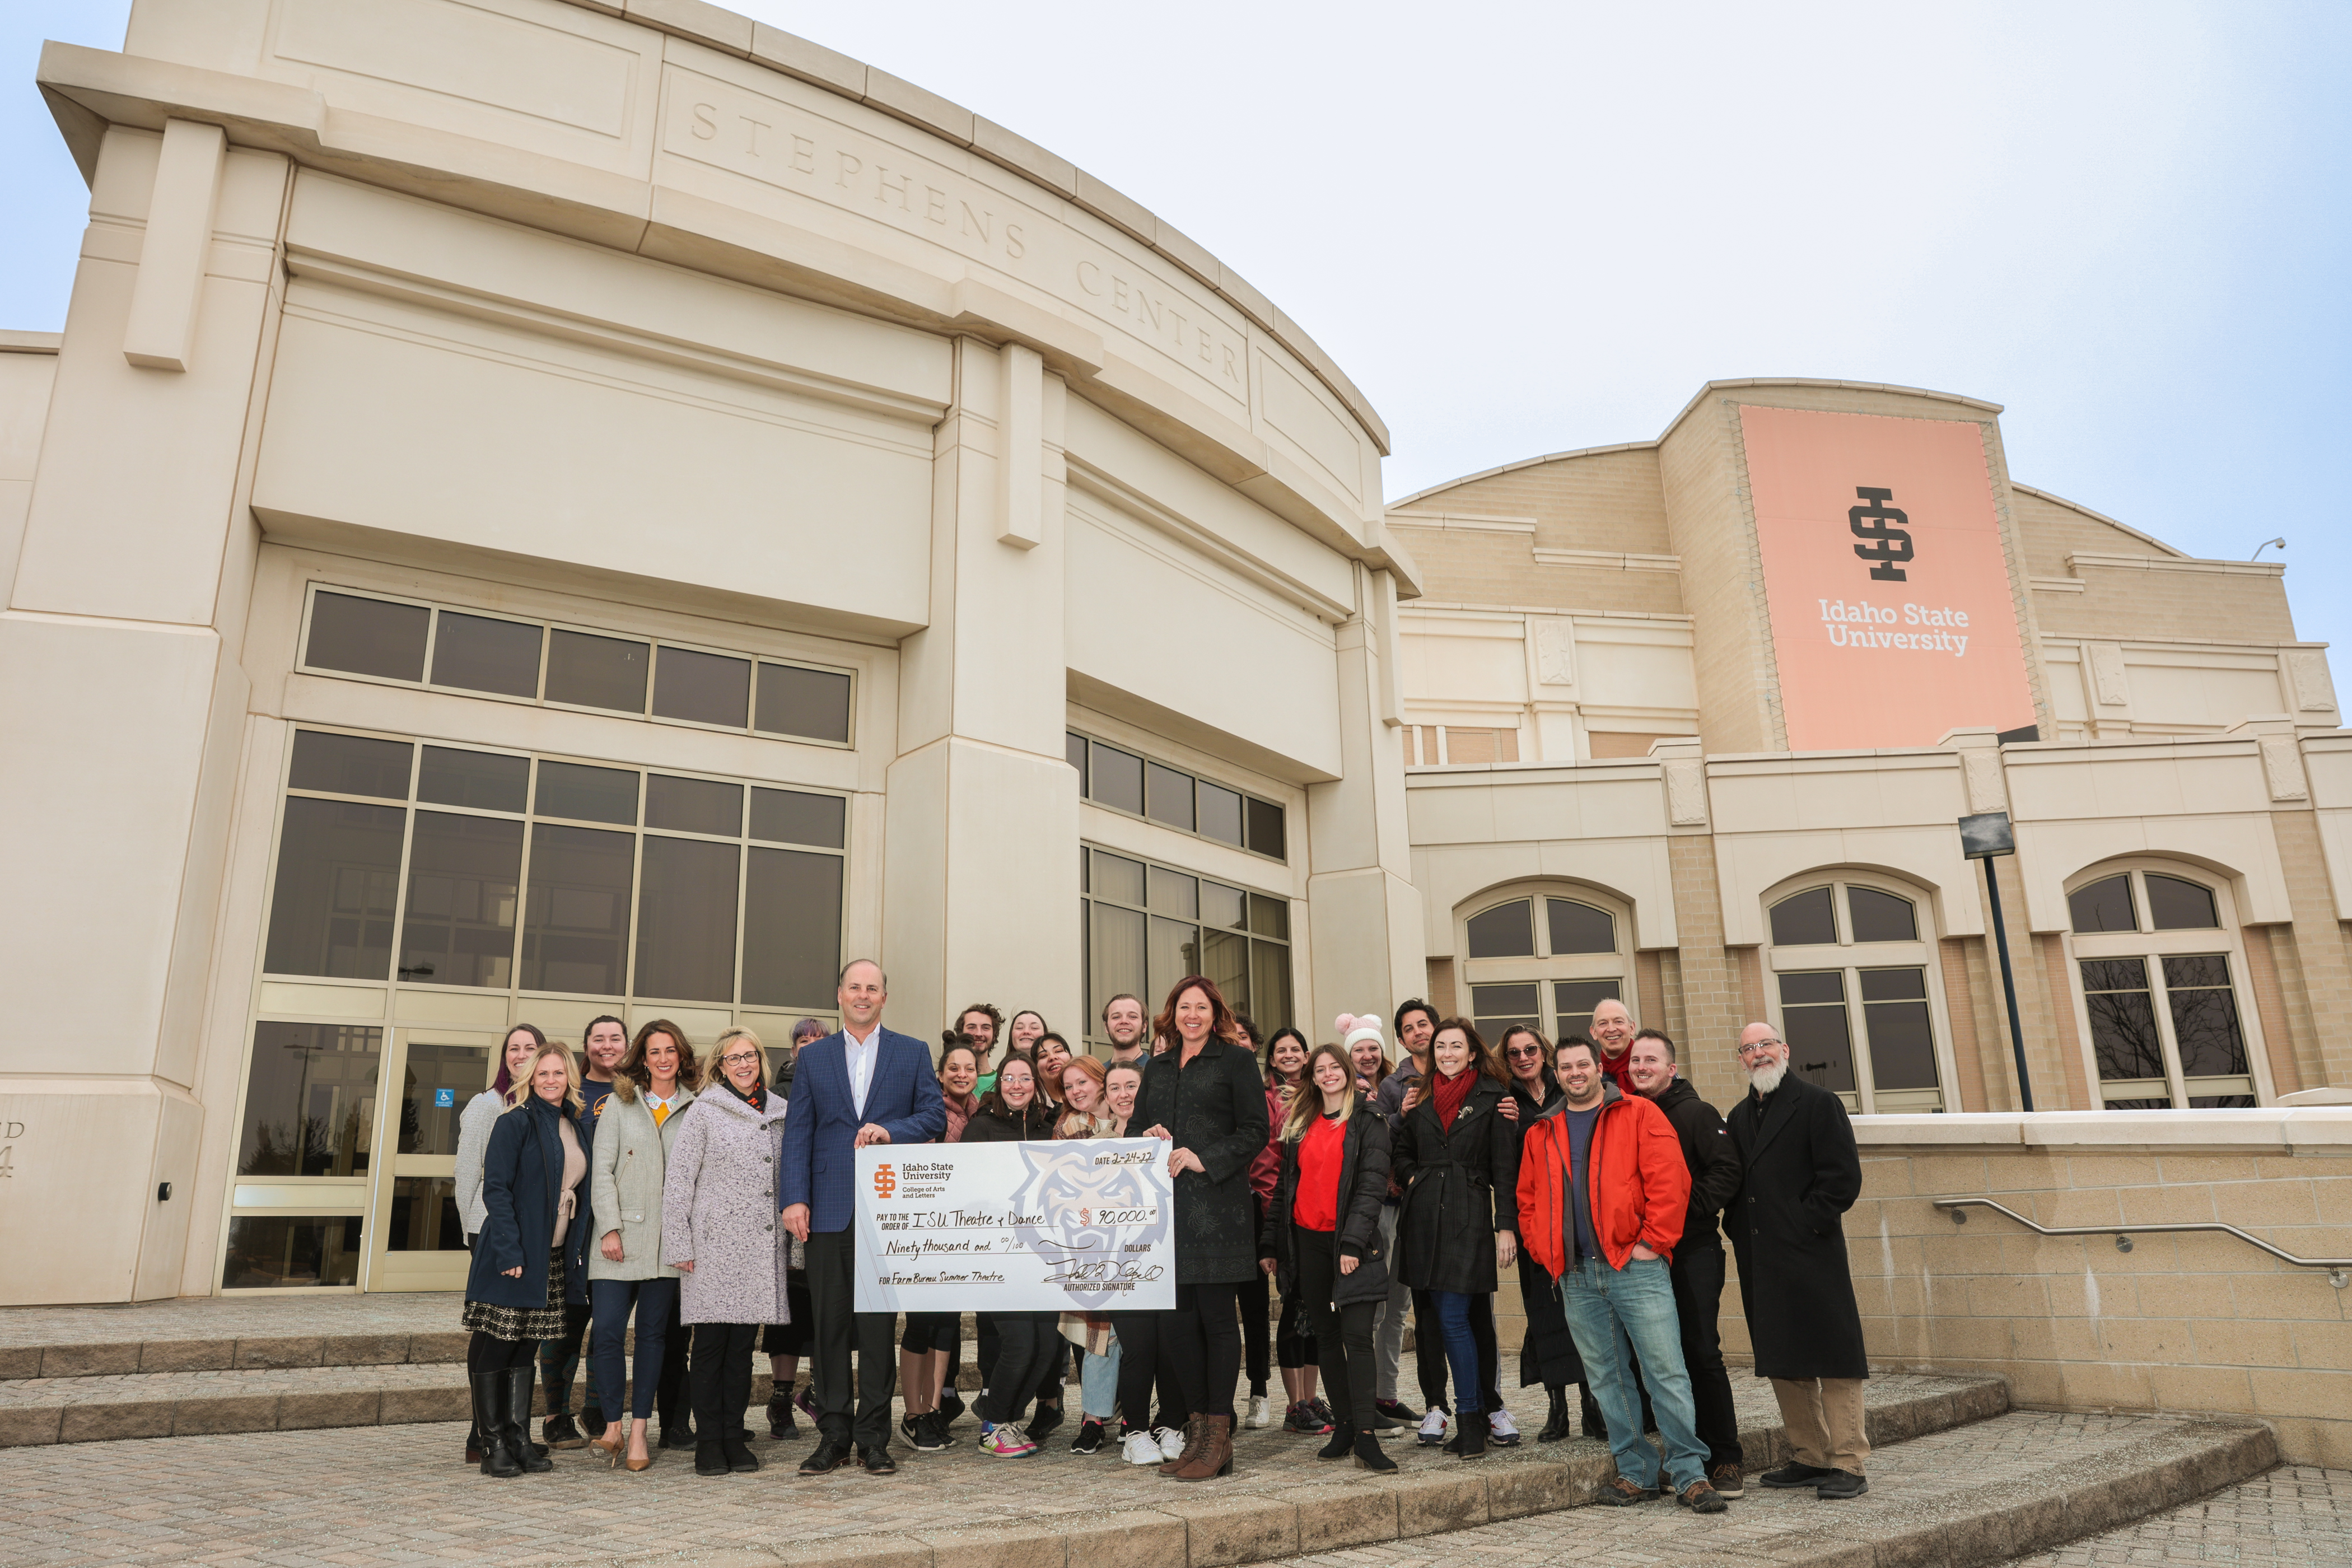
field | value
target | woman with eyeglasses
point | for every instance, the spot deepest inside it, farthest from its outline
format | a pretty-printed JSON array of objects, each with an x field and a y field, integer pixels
[
  {"x": 720, "y": 1231},
  {"x": 1012, "y": 1115},
  {"x": 1548, "y": 1353}
]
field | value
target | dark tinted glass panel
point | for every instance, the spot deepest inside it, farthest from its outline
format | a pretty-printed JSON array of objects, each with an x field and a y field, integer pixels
[
  {"x": 2139, "y": 1105},
  {"x": 1168, "y": 793},
  {"x": 480, "y": 779},
  {"x": 703, "y": 687},
  {"x": 1117, "y": 877},
  {"x": 424, "y": 1215},
  {"x": 1116, "y": 779},
  {"x": 1223, "y": 906},
  {"x": 1074, "y": 747},
  {"x": 1265, "y": 828},
  {"x": 1573, "y": 1002},
  {"x": 1506, "y": 931},
  {"x": 1269, "y": 916},
  {"x": 1580, "y": 927},
  {"x": 367, "y": 637},
  {"x": 440, "y": 1081},
  {"x": 575, "y": 933},
  {"x": 686, "y": 919},
  {"x": 2124, "y": 1037},
  {"x": 1893, "y": 985},
  {"x": 1497, "y": 1007},
  {"x": 350, "y": 764},
  {"x": 338, "y": 878},
  {"x": 585, "y": 793},
  {"x": 812, "y": 703},
  {"x": 694, "y": 805},
  {"x": 265, "y": 1251},
  {"x": 2104, "y": 905},
  {"x": 310, "y": 1100},
  {"x": 792, "y": 928},
  {"x": 1221, "y": 812},
  {"x": 1880, "y": 917},
  {"x": 788, "y": 816},
  {"x": 479, "y": 654},
  {"x": 2175, "y": 905},
  {"x": 596, "y": 672},
  {"x": 463, "y": 875},
  {"x": 1820, "y": 986},
  {"x": 1820, "y": 1046},
  {"x": 1114, "y": 955},
  {"x": 2220, "y": 1102},
  {"x": 1804, "y": 918},
  {"x": 2115, "y": 974},
  {"x": 1225, "y": 960},
  {"x": 1171, "y": 951},
  {"x": 1902, "y": 1042},
  {"x": 1270, "y": 986},
  {"x": 2204, "y": 1013}
]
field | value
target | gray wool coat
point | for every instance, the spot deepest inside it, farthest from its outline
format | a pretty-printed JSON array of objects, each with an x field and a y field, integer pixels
[
  {"x": 719, "y": 1211},
  {"x": 626, "y": 1168}
]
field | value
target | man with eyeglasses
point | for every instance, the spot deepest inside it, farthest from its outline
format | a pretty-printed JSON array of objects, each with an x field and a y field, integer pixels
[{"x": 1799, "y": 1172}]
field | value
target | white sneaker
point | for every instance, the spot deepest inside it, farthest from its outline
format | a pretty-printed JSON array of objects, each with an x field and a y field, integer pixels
[
  {"x": 1260, "y": 1414},
  {"x": 1501, "y": 1429},
  {"x": 1172, "y": 1441},
  {"x": 1432, "y": 1429},
  {"x": 1142, "y": 1449}
]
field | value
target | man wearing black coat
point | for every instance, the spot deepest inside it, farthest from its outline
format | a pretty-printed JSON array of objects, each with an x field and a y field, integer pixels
[
  {"x": 1799, "y": 1172},
  {"x": 1698, "y": 1268}
]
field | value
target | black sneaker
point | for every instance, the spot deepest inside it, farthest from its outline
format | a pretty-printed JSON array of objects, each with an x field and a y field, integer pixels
[
  {"x": 1393, "y": 1412},
  {"x": 558, "y": 1432},
  {"x": 1794, "y": 1474},
  {"x": 1725, "y": 1481},
  {"x": 1842, "y": 1485},
  {"x": 678, "y": 1437},
  {"x": 1619, "y": 1492},
  {"x": 912, "y": 1428},
  {"x": 1700, "y": 1497},
  {"x": 941, "y": 1436},
  {"x": 1048, "y": 1416},
  {"x": 1089, "y": 1439}
]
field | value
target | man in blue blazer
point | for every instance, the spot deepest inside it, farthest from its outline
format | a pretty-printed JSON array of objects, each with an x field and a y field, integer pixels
[{"x": 862, "y": 1084}]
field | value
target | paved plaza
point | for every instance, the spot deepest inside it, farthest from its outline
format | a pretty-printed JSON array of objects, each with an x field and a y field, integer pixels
[{"x": 2298, "y": 1516}]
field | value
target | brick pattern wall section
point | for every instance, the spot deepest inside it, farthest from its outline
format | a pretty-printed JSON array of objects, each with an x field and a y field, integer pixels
[
  {"x": 1723, "y": 584},
  {"x": 2059, "y": 1074},
  {"x": 2325, "y": 966},
  {"x": 1602, "y": 500},
  {"x": 2132, "y": 606},
  {"x": 1465, "y": 566},
  {"x": 1960, "y": 1005},
  {"x": 1992, "y": 1035},
  {"x": 2270, "y": 1006},
  {"x": 1439, "y": 996},
  {"x": 1710, "y": 984},
  {"x": 1649, "y": 995}
]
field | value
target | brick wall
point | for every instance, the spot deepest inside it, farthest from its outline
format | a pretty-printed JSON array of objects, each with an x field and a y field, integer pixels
[{"x": 1604, "y": 501}]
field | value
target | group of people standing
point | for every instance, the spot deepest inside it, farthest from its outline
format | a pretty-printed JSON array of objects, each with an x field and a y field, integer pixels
[{"x": 679, "y": 1194}]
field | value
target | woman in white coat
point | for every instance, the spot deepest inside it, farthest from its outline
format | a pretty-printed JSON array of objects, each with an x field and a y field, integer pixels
[
  {"x": 522, "y": 1043},
  {"x": 720, "y": 1228},
  {"x": 627, "y": 1164}
]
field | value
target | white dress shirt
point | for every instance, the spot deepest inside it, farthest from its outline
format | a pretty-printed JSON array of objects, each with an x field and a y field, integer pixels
[{"x": 862, "y": 1055}]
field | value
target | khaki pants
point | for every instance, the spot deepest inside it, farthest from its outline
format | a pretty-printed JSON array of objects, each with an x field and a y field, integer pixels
[{"x": 1824, "y": 1420}]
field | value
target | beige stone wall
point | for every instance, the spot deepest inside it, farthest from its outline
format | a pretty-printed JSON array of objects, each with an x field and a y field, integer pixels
[
  {"x": 1606, "y": 500},
  {"x": 2183, "y": 1322},
  {"x": 2052, "y": 528},
  {"x": 2132, "y": 602}
]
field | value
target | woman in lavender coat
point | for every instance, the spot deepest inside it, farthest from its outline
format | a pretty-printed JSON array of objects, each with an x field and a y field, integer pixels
[{"x": 721, "y": 1230}]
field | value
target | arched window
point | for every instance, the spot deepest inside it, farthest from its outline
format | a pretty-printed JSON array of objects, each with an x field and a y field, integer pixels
[
  {"x": 2157, "y": 959},
  {"x": 1544, "y": 957},
  {"x": 1858, "y": 995}
]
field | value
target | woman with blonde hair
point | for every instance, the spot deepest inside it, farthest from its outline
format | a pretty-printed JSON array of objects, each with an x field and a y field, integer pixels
[
  {"x": 719, "y": 1230},
  {"x": 528, "y": 1263},
  {"x": 473, "y": 1124},
  {"x": 1086, "y": 1107},
  {"x": 652, "y": 1086}
]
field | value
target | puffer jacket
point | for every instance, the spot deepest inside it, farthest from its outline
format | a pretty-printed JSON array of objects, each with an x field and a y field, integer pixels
[
  {"x": 1460, "y": 1188},
  {"x": 1634, "y": 1171}
]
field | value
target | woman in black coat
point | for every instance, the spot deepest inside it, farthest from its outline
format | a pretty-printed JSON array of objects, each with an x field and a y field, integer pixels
[
  {"x": 1457, "y": 1158},
  {"x": 1011, "y": 1113},
  {"x": 1207, "y": 1097},
  {"x": 1547, "y": 1353},
  {"x": 1322, "y": 1242},
  {"x": 531, "y": 1258}
]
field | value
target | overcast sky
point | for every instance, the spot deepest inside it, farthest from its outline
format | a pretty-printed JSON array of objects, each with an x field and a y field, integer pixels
[{"x": 1529, "y": 229}]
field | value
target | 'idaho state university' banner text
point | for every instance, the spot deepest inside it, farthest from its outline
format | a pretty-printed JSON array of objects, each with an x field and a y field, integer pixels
[{"x": 1891, "y": 615}]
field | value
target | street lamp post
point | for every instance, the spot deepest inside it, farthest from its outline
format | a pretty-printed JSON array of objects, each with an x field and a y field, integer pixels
[{"x": 1986, "y": 836}]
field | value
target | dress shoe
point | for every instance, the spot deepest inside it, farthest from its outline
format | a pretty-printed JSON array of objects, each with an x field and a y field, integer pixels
[
  {"x": 875, "y": 1458},
  {"x": 825, "y": 1457}
]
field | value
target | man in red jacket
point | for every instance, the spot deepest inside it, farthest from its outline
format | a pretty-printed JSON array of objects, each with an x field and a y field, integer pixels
[{"x": 1602, "y": 1187}]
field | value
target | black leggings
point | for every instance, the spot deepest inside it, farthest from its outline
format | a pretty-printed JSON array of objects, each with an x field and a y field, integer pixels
[
  {"x": 1203, "y": 1336},
  {"x": 1294, "y": 1337},
  {"x": 1140, "y": 1366},
  {"x": 1256, "y": 1303},
  {"x": 1021, "y": 1355},
  {"x": 487, "y": 1353},
  {"x": 1343, "y": 1334}
]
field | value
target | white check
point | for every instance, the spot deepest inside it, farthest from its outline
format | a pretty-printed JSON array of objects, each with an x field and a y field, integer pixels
[{"x": 1077, "y": 1227}]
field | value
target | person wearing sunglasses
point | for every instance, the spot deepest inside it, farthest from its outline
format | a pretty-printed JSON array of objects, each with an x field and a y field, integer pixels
[{"x": 1546, "y": 1352}]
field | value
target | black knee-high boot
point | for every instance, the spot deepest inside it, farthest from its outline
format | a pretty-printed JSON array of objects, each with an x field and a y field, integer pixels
[
  {"x": 1557, "y": 1426},
  {"x": 499, "y": 1455},
  {"x": 514, "y": 1418}
]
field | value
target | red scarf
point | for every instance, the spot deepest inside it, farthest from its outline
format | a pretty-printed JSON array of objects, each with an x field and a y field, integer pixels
[{"x": 1451, "y": 1092}]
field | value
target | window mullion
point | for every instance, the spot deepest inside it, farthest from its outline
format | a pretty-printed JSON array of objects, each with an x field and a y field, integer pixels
[
  {"x": 1866, "y": 1082},
  {"x": 2161, "y": 991}
]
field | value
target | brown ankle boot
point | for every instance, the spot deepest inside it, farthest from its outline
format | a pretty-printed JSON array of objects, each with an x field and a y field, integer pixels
[
  {"x": 1217, "y": 1455},
  {"x": 1195, "y": 1432}
]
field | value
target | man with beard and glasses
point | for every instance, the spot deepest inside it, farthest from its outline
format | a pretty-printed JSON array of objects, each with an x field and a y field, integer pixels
[{"x": 1801, "y": 1172}]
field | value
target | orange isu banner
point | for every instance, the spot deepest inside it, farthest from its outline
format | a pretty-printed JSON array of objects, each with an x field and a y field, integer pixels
[{"x": 1892, "y": 616}]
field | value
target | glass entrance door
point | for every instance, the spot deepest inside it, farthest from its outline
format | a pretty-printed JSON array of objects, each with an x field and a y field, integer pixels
[{"x": 416, "y": 1241}]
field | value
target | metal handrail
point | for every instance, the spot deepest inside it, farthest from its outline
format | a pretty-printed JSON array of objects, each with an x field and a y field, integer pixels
[{"x": 2339, "y": 1269}]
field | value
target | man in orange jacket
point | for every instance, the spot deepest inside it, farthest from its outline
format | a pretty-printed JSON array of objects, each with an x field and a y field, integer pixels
[{"x": 1602, "y": 1186}]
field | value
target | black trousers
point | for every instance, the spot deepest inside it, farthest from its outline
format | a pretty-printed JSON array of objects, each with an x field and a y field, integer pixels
[
  {"x": 1697, "y": 1276},
  {"x": 1342, "y": 1335},
  {"x": 832, "y": 1263},
  {"x": 1429, "y": 1351},
  {"x": 1256, "y": 1299},
  {"x": 1021, "y": 1353},
  {"x": 672, "y": 1399},
  {"x": 721, "y": 1378},
  {"x": 1142, "y": 1364},
  {"x": 1204, "y": 1338}
]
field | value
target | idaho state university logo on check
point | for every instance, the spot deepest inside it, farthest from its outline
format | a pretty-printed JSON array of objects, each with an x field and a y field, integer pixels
[
  {"x": 886, "y": 1181},
  {"x": 1090, "y": 1214}
]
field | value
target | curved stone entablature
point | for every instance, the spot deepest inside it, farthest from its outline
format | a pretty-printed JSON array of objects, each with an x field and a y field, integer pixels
[{"x": 687, "y": 134}]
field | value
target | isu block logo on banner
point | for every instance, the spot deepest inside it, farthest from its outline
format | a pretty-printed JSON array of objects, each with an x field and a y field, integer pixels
[{"x": 1893, "y": 619}]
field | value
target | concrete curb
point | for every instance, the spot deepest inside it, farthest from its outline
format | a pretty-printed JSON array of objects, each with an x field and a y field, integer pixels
[{"x": 117, "y": 1358}]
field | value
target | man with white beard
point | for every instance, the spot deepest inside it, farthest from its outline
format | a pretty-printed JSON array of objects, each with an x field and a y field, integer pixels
[{"x": 1801, "y": 1172}]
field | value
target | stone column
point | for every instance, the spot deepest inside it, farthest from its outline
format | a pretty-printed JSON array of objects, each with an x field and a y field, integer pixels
[
  {"x": 980, "y": 857},
  {"x": 125, "y": 708}
]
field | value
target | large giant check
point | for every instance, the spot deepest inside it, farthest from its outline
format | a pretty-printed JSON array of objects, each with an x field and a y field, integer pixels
[{"x": 1081, "y": 1227}]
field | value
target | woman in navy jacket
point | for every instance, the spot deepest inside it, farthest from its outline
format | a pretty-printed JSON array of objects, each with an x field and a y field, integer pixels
[{"x": 531, "y": 1258}]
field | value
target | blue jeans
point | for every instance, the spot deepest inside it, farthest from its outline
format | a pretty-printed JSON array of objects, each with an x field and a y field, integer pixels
[
  {"x": 1461, "y": 1349},
  {"x": 1098, "y": 1385},
  {"x": 610, "y": 1301},
  {"x": 1611, "y": 1311}
]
